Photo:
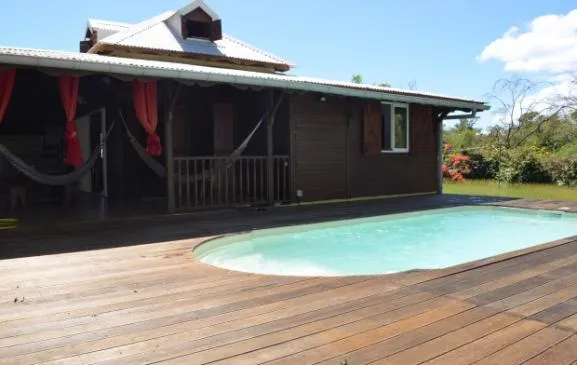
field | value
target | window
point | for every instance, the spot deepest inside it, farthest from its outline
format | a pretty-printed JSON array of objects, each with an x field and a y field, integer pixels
[
  {"x": 395, "y": 128},
  {"x": 196, "y": 29}
]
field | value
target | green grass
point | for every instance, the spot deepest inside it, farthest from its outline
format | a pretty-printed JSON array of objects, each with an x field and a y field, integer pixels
[{"x": 492, "y": 188}]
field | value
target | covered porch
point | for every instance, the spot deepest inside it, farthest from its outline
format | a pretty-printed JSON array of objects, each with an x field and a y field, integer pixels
[{"x": 221, "y": 146}]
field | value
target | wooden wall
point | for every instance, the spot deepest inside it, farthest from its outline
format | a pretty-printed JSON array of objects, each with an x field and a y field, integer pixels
[
  {"x": 319, "y": 146},
  {"x": 329, "y": 157},
  {"x": 396, "y": 173}
]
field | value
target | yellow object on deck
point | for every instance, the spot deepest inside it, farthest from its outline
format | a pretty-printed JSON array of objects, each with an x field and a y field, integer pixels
[{"x": 8, "y": 223}]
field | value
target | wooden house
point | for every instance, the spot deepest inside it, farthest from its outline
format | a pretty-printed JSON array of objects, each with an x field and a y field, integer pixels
[{"x": 192, "y": 98}]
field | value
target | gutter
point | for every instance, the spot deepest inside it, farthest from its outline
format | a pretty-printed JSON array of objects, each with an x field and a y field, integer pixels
[{"x": 155, "y": 69}]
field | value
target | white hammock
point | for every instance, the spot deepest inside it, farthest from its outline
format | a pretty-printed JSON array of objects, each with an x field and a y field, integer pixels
[{"x": 49, "y": 179}]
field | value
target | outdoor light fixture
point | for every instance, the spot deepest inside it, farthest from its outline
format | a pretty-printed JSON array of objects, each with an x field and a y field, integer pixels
[{"x": 323, "y": 99}]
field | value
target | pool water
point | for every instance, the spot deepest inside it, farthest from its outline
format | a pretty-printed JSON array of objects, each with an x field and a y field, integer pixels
[{"x": 387, "y": 244}]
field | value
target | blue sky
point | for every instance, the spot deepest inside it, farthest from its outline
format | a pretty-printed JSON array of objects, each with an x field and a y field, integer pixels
[{"x": 436, "y": 44}]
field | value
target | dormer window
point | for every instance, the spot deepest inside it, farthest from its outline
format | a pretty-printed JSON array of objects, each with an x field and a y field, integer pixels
[
  {"x": 196, "y": 29},
  {"x": 199, "y": 24}
]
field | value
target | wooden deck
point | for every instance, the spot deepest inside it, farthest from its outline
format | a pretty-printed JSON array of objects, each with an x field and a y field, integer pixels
[{"x": 153, "y": 303}]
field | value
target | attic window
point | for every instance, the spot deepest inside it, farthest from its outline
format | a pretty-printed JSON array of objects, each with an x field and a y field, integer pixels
[
  {"x": 198, "y": 24},
  {"x": 196, "y": 29}
]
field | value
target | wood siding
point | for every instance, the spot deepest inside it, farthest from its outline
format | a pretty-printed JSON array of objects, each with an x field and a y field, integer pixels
[
  {"x": 319, "y": 142},
  {"x": 334, "y": 160},
  {"x": 396, "y": 173}
]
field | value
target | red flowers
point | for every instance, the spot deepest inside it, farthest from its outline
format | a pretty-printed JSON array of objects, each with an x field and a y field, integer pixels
[{"x": 455, "y": 165}]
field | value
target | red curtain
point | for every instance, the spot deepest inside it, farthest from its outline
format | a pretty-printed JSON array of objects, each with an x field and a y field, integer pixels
[
  {"x": 68, "y": 86},
  {"x": 6, "y": 86},
  {"x": 146, "y": 108}
]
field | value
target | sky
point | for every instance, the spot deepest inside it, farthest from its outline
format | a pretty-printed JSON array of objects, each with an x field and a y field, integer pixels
[{"x": 453, "y": 47}]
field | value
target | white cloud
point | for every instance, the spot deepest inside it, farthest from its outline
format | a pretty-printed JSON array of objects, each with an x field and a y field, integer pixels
[
  {"x": 549, "y": 44},
  {"x": 547, "y": 48}
]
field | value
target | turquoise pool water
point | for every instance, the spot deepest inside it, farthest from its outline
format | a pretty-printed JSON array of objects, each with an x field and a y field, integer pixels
[{"x": 387, "y": 244}]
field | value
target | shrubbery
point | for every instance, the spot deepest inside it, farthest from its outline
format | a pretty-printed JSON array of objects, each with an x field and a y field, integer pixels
[
  {"x": 522, "y": 165},
  {"x": 563, "y": 171},
  {"x": 455, "y": 165},
  {"x": 483, "y": 167}
]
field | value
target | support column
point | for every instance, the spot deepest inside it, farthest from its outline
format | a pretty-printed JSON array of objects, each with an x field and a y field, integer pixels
[
  {"x": 103, "y": 151},
  {"x": 270, "y": 150},
  {"x": 439, "y": 133},
  {"x": 168, "y": 144}
]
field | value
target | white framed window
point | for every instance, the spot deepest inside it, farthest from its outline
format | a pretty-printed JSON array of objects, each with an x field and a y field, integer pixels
[{"x": 396, "y": 128}]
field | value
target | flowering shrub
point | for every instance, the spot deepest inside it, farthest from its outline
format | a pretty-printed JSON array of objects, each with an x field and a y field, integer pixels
[{"x": 455, "y": 165}]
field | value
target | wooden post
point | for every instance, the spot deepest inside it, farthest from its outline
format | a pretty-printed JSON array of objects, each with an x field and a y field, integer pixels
[
  {"x": 270, "y": 151},
  {"x": 272, "y": 109},
  {"x": 168, "y": 129},
  {"x": 348, "y": 137},
  {"x": 438, "y": 120}
]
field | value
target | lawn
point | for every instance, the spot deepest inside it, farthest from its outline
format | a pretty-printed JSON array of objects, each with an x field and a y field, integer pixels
[{"x": 492, "y": 188}]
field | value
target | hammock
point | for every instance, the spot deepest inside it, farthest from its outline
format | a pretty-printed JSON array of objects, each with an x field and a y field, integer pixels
[
  {"x": 141, "y": 151},
  {"x": 159, "y": 169},
  {"x": 53, "y": 180}
]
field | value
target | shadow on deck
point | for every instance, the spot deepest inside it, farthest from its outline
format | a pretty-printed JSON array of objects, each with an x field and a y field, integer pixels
[{"x": 67, "y": 236}]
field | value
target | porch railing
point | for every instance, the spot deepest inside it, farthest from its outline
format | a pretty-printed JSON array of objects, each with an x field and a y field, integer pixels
[{"x": 212, "y": 181}]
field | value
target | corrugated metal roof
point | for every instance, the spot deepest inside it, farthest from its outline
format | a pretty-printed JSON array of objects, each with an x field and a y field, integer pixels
[{"x": 172, "y": 70}]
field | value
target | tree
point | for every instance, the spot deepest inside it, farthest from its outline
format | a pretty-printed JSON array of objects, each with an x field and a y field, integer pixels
[
  {"x": 357, "y": 79},
  {"x": 463, "y": 136},
  {"x": 520, "y": 112}
]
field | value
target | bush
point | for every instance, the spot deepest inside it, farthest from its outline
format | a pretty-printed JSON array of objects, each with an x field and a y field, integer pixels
[
  {"x": 563, "y": 170},
  {"x": 483, "y": 167},
  {"x": 522, "y": 166},
  {"x": 455, "y": 165}
]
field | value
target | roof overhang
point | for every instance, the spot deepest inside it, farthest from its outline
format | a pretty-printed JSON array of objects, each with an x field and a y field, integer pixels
[{"x": 83, "y": 62}]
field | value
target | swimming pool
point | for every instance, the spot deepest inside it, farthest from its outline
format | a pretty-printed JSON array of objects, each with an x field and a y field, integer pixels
[{"x": 386, "y": 244}]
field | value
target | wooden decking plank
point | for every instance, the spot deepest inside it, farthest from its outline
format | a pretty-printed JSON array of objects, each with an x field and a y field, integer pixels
[
  {"x": 514, "y": 277},
  {"x": 342, "y": 325},
  {"x": 366, "y": 353},
  {"x": 510, "y": 290},
  {"x": 390, "y": 339},
  {"x": 109, "y": 307},
  {"x": 122, "y": 314},
  {"x": 59, "y": 330},
  {"x": 171, "y": 319},
  {"x": 464, "y": 280},
  {"x": 101, "y": 344},
  {"x": 447, "y": 342},
  {"x": 489, "y": 344},
  {"x": 526, "y": 348},
  {"x": 142, "y": 298},
  {"x": 556, "y": 312},
  {"x": 535, "y": 293},
  {"x": 120, "y": 289},
  {"x": 563, "y": 353},
  {"x": 545, "y": 302}
]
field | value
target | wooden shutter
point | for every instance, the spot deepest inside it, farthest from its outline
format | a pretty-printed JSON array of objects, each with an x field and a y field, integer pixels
[
  {"x": 215, "y": 30},
  {"x": 420, "y": 127},
  {"x": 223, "y": 115},
  {"x": 372, "y": 129}
]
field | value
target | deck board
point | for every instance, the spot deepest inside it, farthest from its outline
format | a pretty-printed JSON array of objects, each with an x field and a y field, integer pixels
[{"x": 153, "y": 303}]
